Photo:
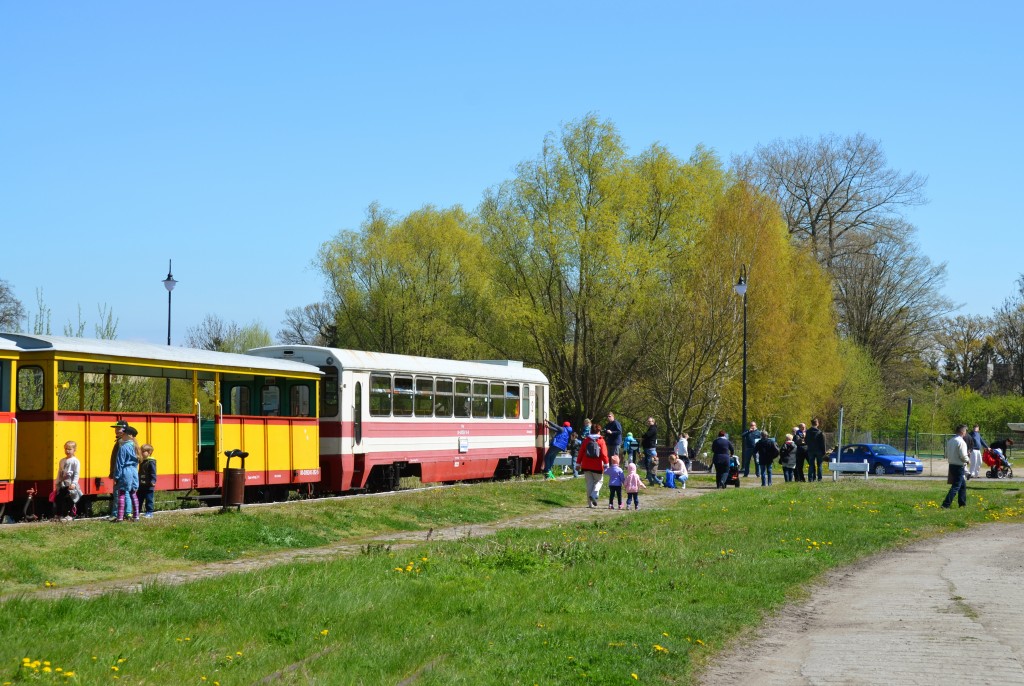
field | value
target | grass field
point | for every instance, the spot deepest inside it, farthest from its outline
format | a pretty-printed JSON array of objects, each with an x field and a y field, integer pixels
[{"x": 612, "y": 598}]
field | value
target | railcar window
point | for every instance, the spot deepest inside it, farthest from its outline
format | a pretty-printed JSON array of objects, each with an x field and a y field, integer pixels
[
  {"x": 30, "y": 388},
  {"x": 402, "y": 398},
  {"x": 512, "y": 401},
  {"x": 480, "y": 399},
  {"x": 239, "y": 400},
  {"x": 270, "y": 401},
  {"x": 424, "y": 406},
  {"x": 444, "y": 403},
  {"x": 329, "y": 392},
  {"x": 380, "y": 395},
  {"x": 463, "y": 399},
  {"x": 526, "y": 397},
  {"x": 298, "y": 401},
  {"x": 497, "y": 400}
]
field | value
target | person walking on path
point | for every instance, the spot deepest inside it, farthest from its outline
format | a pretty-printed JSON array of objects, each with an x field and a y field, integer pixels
[
  {"x": 979, "y": 444},
  {"x": 750, "y": 438},
  {"x": 613, "y": 434},
  {"x": 632, "y": 483},
  {"x": 649, "y": 444},
  {"x": 615, "y": 478},
  {"x": 593, "y": 461},
  {"x": 722, "y": 452},
  {"x": 956, "y": 455},
  {"x": 800, "y": 440},
  {"x": 559, "y": 444},
  {"x": 815, "y": 451}
]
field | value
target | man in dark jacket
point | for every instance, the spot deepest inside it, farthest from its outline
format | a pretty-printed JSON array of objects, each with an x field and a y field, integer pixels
[
  {"x": 722, "y": 452},
  {"x": 815, "y": 451},
  {"x": 649, "y": 444},
  {"x": 612, "y": 434},
  {"x": 750, "y": 438}
]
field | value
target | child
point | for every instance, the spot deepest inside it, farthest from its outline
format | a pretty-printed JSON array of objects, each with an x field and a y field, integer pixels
[
  {"x": 126, "y": 476},
  {"x": 67, "y": 482},
  {"x": 630, "y": 446},
  {"x": 633, "y": 484},
  {"x": 147, "y": 479},
  {"x": 615, "y": 478}
]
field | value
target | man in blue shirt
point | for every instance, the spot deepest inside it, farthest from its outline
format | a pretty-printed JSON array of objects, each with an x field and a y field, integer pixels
[
  {"x": 612, "y": 435},
  {"x": 750, "y": 438}
]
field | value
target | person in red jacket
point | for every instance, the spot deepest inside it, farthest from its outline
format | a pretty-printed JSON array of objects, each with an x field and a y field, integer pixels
[{"x": 593, "y": 460}]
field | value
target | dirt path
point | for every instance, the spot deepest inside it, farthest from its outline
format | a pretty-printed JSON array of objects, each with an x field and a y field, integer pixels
[
  {"x": 943, "y": 611},
  {"x": 653, "y": 498}
]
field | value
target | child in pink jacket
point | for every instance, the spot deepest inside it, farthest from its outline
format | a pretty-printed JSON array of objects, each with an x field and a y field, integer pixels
[{"x": 632, "y": 484}]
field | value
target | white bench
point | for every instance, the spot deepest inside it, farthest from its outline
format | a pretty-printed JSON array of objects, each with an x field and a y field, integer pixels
[
  {"x": 849, "y": 468},
  {"x": 563, "y": 460}
]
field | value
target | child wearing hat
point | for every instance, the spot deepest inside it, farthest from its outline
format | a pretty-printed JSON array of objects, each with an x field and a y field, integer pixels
[{"x": 559, "y": 444}]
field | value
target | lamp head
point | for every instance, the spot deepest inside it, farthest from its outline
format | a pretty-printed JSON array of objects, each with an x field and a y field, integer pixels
[{"x": 169, "y": 282}]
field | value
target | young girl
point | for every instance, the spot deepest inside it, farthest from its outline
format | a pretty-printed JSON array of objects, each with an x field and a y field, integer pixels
[
  {"x": 67, "y": 482},
  {"x": 615, "y": 478},
  {"x": 633, "y": 484}
]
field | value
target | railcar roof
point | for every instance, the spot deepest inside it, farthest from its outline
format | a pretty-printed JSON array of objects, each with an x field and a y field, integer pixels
[
  {"x": 363, "y": 360},
  {"x": 191, "y": 357}
]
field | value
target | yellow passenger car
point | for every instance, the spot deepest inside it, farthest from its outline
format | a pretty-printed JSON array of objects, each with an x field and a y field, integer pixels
[
  {"x": 191, "y": 405},
  {"x": 8, "y": 423}
]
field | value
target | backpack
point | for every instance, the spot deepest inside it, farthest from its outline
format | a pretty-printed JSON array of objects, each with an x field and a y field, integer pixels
[{"x": 593, "y": 449}]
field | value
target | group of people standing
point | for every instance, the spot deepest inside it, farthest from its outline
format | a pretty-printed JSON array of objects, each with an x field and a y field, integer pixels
[
  {"x": 803, "y": 446},
  {"x": 132, "y": 467}
]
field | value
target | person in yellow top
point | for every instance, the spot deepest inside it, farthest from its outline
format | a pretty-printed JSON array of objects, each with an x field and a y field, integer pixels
[{"x": 958, "y": 458}]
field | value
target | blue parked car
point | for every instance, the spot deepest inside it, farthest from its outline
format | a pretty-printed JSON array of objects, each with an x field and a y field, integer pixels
[{"x": 883, "y": 458}]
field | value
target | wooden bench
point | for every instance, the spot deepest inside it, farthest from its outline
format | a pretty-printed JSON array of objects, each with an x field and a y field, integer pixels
[{"x": 849, "y": 468}]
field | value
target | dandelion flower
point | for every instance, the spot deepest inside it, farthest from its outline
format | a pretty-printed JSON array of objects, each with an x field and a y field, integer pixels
[
  {"x": 635, "y": 676},
  {"x": 322, "y": 633}
]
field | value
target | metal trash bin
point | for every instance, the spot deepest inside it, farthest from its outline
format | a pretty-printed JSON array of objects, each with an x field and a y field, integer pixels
[{"x": 233, "y": 484}]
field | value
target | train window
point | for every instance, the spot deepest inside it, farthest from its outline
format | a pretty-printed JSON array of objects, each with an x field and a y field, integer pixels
[
  {"x": 444, "y": 403},
  {"x": 270, "y": 401},
  {"x": 30, "y": 389},
  {"x": 526, "y": 398},
  {"x": 357, "y": 411},
  {"x": 238, "y": 400},
  {"x": 424, "y": 403},
  {"x": 329, "y": 392},
  {"x": 298, "y": 401},
  {"x": 480, "y": 399},
  {"x": 497, "y": 400},
  {"x": 463, "y": 399},
  {"x": 402, "y": 399},
  {"x": 380, "y": 395},
  {"x": 512, "y": 401}
]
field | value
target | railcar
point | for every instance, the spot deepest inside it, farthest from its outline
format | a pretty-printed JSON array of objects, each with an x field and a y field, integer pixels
[
  {"x": 8, "y": 423},
  {"x": 383, "y": 417},
  {"x": 191, "y": 405}
]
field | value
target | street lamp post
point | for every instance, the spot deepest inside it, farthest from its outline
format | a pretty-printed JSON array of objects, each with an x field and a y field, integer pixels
[
  {"x": 169, "y": 284},
  {"x": 741, "y": 290}
]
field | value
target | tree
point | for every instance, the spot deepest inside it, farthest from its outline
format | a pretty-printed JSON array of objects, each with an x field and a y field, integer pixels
[
  {"x": 578, "y": 238},
  {"x": 12, "y": 312},
  {"x": 402, "y": 285},
  {"x": 216, "y": 334},
  {"x": 834, "y": 192},
  {"x": 889, "y": 301},
  {"x": 314, "y": 324},
  {"x": 964, "y": 347},
  {"x": 1008, "y": 335}
]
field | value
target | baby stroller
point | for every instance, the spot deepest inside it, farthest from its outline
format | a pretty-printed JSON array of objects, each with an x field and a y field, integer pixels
[
  {"x": 1000, "y": 467},
  {"x": 734, "y": 473}
]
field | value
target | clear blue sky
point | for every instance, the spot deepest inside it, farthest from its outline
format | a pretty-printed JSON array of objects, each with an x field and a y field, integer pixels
[{"x": 236, "y": 137}]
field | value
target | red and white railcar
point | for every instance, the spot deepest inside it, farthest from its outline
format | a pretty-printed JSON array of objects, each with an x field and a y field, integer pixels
[{"x": 386, "y": 416}]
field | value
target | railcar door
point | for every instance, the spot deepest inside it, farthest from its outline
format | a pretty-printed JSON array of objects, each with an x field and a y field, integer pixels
[{"x": 8, "y": 435}]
